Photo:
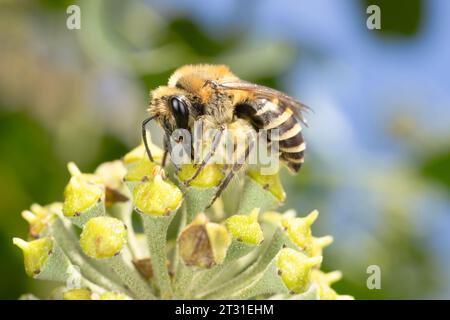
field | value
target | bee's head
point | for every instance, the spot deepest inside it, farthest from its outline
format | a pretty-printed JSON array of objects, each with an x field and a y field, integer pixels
[{"x": 172, "y": 107}]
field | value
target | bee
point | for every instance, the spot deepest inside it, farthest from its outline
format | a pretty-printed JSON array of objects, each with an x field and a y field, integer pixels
[{"x": 213, "y": 95}]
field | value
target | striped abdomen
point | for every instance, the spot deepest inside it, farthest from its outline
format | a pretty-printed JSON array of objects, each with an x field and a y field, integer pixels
[{"x": 282, "y": 126}]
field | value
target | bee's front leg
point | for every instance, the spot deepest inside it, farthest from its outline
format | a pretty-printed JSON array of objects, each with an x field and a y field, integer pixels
[
  {"x": 144, "y": 137},
  {"x": 209, "y": 155}
]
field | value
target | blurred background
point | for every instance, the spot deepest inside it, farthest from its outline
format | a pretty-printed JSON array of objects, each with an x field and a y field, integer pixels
[{"x": 378, "y": 162}]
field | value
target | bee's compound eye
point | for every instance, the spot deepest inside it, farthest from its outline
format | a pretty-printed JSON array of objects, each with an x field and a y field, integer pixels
[{"x": 180, "y": 112}]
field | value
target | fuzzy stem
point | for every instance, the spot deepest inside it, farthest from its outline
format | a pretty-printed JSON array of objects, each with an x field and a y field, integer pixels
[
  {"x": 265, "y": 282},
  {"x": 236, "y": 250},
  {"x": 131, "y": 278},
  {"x": 156, "y": 231},
  {"x": 177, "y": 263},
  {"x": 184, "y": 278},
  {"x": 197, "y": 199},
  {"x": 255, "y": 196},
  {"x": 246, "y": 277}
]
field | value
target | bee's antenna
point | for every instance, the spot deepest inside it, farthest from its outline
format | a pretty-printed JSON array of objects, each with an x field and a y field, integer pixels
[{"x": 144, "y": 137}]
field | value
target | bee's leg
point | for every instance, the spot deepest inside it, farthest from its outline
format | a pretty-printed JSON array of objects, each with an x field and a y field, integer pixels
[
  {"x": 234, "y": 169},
  {"x": 144, "y": 137},
  {"x": 214, "y": 145}
]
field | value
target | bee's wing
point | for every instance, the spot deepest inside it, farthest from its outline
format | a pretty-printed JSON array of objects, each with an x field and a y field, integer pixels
[{"x": 296, "y": 106}]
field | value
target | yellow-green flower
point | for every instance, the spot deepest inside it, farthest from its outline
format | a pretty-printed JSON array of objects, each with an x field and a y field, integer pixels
[
  {"x": 39, "y": 217},
  {"x": 103, "y": 237},
  {"x": 276, "y": 218},
  {"x": 35, "y": 253},
  {"x": 113, "y": 296},
  {"x": 111, "y": 173},
  {"x": 324, "y": 282},
  {"x": 181, "y": 245},
  {"x": 318, "y": 244},
  {"x": 299, "y": 230},
  {"x": 295, "y": 269},
  {"x": 82, "y": 192},
  {"x": 210, "y": 176},
  {"x": 271, "y": 183},
  {"x": 141, "y": 170},
  {"x": 78, "y": 294},
  {"x": 139, "y": 153},
  {"x": 157, "y": 196},
  {"x": 246, "y": 228}
]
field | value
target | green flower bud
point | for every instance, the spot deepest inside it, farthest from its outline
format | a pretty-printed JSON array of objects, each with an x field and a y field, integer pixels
[
  {"x": 299, "y": 230},
  {"x": 210, "y": 176},
  {"x": 275, "y": 218},
  {"x": 139, "y": 153},
  {"x": 35, "y": 253},
  {"x": 82, "y": 192},
  {"x": 111, "y": 173},
  {"x": 206, "y": 260},
  {"x": 140, "y": 171},
  {"x": 113, "y": 296},
  {"x": 295, "y": 269},
  {"x": 103, "y": 237},
  {"x": 246, "y": 228},
  {"x": 271, "y": 183},
  {"x": 318, "y": 244},
  {"x": 199, "y": 192},
  {"x": 44, "y": 260},
  {"x": 40, "y": 217},
  {"x": 203, "y": 244},
  {"x": 78, "y": 294},
  {"x": 324, "y": 282},
  {"x": 158, "y": 196},
  {"x": 260, "y": 191}
]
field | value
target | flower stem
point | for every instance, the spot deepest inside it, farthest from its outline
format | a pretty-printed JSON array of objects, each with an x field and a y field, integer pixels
[
  {"x": 156, "y": 231},
  {"x": 131, "y": 278},
  {"x": 247, "y": 277},
  {"x": 236, "y": 250},
  {"x": 177, "y": 263},
  {"x": 183, "y": 280},
  {"x": 265, "y": 282}
]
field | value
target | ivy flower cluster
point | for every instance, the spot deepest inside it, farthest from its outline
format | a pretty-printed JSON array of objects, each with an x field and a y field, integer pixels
[{"x": 131, "y": 230}]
